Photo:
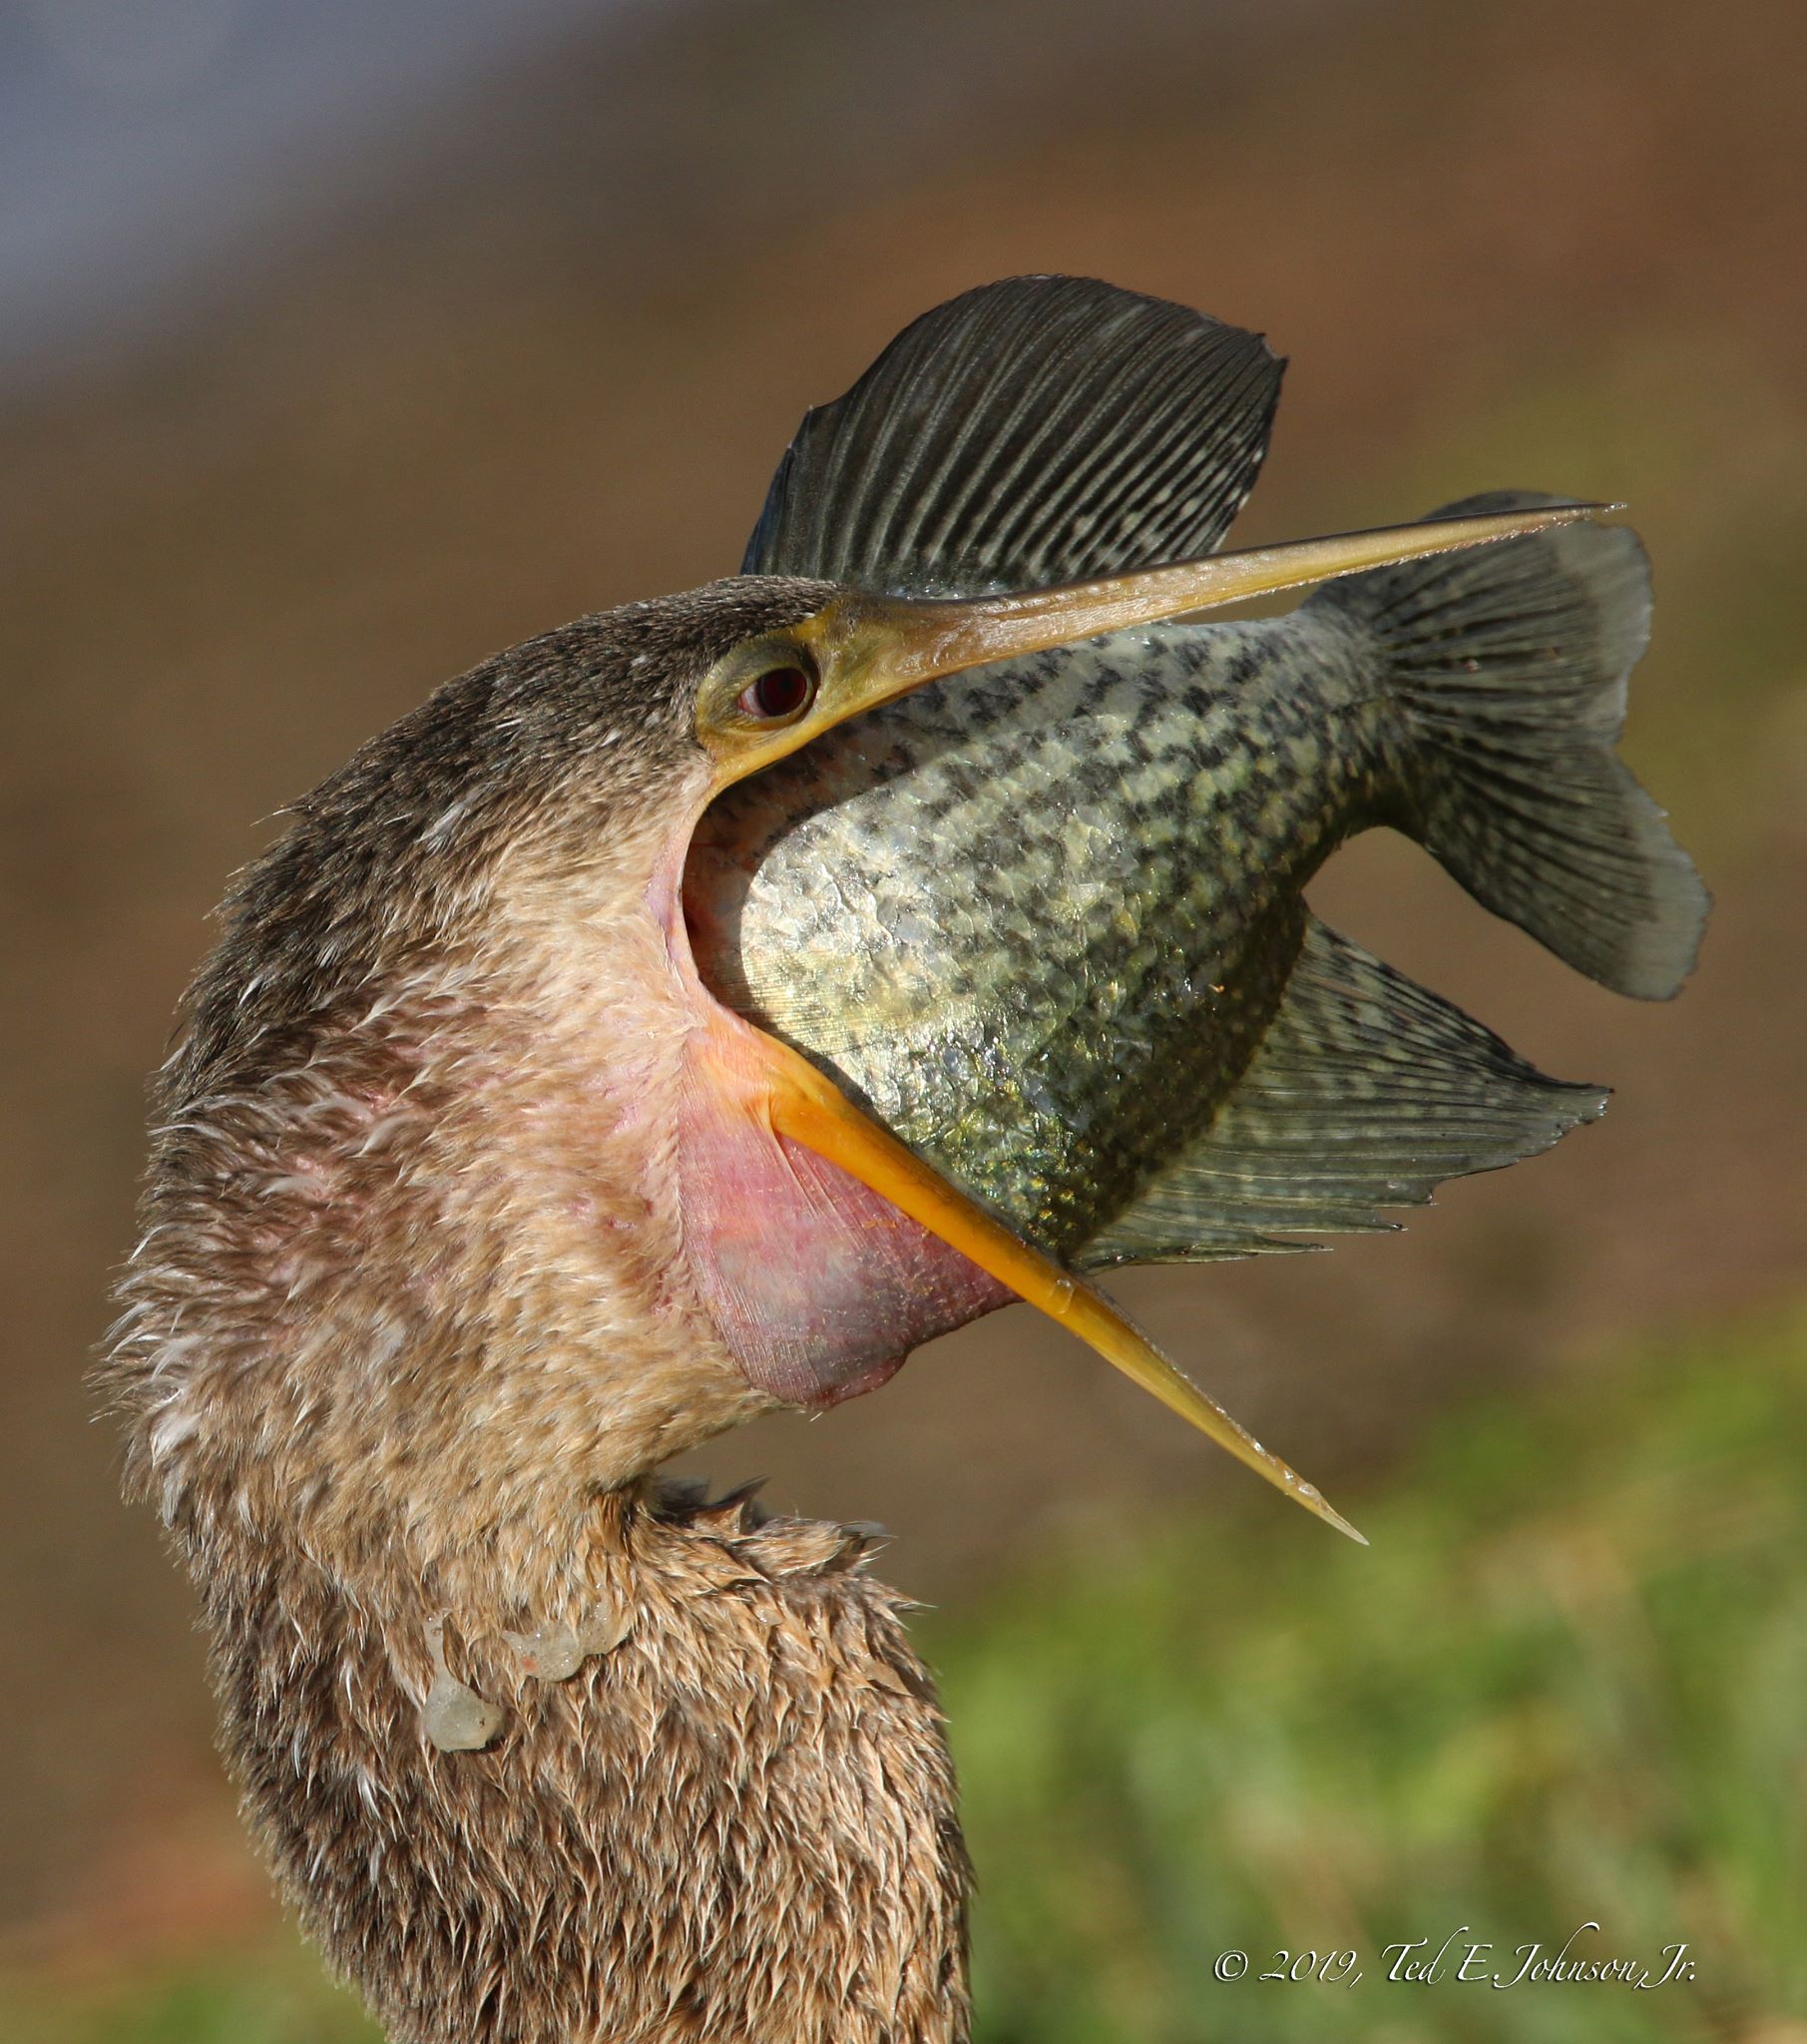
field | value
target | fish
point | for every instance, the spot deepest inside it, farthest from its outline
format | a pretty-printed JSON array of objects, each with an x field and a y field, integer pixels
[{"x": 1045, "y": 919}]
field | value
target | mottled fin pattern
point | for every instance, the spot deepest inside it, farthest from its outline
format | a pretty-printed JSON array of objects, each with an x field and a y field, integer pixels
[
  {"x": 1507, "y": 665},
  {"x": 1041, "y": 430},
  {"x": 1367, "y": 1091}
]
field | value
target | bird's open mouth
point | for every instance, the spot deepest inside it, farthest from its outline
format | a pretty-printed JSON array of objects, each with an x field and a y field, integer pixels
[
  {"x": 828, "y": 1248},
  {"x": 825, "y": 1251},
  {"x": 820, "y": 1283}
]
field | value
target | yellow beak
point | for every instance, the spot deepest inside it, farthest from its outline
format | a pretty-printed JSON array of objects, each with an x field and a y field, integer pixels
[{"x": 869, "y": 649}]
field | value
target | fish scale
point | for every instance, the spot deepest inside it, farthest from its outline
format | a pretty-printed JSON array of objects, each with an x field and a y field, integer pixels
[{"x": 1155, "y": 798}]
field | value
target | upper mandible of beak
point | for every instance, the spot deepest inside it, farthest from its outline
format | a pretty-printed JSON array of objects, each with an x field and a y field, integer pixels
[{"x": 874, "y": 648}]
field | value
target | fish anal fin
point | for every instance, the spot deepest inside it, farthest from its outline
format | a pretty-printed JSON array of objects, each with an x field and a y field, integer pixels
[{"x": 1367, "y": 1092}]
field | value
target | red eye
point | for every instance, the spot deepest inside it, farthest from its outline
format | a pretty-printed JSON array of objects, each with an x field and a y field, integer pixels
[{"x": 779, "y": 693}]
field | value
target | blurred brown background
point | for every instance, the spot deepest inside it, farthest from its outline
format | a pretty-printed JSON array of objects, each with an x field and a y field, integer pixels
[{"x": 486, "y": 329}]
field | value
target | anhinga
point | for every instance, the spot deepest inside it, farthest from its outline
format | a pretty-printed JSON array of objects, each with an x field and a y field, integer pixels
[{"x": 471, "y": 1205}]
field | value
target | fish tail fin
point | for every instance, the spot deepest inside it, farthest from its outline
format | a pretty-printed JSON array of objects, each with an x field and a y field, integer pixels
[{"x": 1506, "y": 668}]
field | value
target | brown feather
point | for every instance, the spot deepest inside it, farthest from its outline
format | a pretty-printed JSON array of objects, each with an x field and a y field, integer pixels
[
  {"x": 739, "y": 1823},
  {"x": 409, "y": 1329}
]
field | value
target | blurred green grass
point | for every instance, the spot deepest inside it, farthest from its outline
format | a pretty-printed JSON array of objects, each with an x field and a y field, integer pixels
[
  {"x": 1566, "y": 1683},
  {"x": 272, "y": 1993}
]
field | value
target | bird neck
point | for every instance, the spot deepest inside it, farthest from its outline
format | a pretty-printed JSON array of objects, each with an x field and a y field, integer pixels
[
  {"x": 706, "y": 1796},
  {"x": 540, "y": 1749}
]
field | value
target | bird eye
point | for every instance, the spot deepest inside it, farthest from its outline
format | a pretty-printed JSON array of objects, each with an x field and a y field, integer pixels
[{"x": 779, "y": 695}]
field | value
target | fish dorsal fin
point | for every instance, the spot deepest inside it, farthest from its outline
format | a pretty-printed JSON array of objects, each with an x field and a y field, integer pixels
[
  {"x": 1366, "y": 1092},
  {"x": 1041, "y": 430}
]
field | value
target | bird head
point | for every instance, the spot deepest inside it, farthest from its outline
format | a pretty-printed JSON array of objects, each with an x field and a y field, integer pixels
[{"x": 470, "y": 1199}]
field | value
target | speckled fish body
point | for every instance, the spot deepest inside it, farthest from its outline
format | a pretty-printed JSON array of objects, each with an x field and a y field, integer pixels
[
  {"x": 1039, "y": 917},
  {"x": 1045, "y": 918}
]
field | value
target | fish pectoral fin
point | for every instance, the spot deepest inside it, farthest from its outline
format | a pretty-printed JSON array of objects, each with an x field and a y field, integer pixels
[
  {"x": 1041, "y": 430},
  {"x": 808, "y": 1109},
  {"x": 1367, "y": 1091}
]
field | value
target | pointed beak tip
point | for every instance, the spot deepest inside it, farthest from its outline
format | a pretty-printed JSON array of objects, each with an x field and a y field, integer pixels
[{"x": 1320, "y": 1507}]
